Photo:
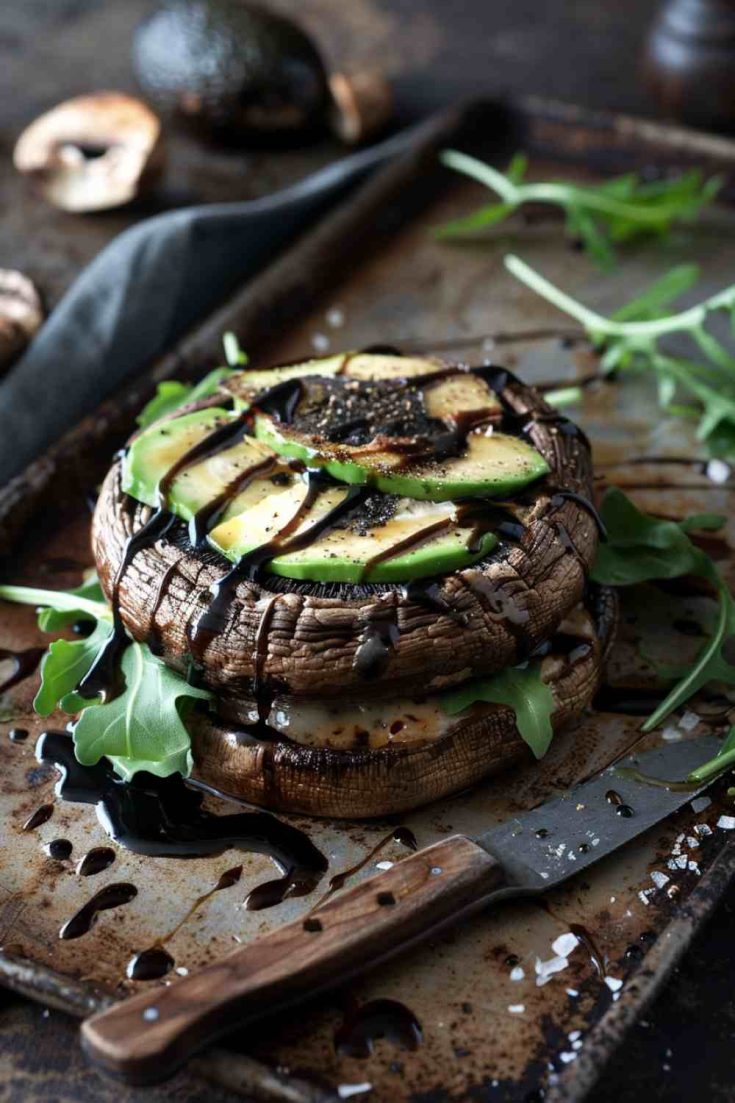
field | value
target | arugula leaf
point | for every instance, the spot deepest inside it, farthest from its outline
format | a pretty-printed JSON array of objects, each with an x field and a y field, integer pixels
[
  {"x": 521, "y": 689},
  {"x": 631, "y": 340},
  {"x": 64, "y": 665},
  {"x": 640, "y": 548},
  {"x": 597, "y": 215},
  {"x": 172, "y": 394},
  {"x": 142, "y": 729}
]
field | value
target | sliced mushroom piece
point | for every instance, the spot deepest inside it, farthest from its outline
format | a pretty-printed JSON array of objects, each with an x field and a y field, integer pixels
[
  {"x": 21, "y": 314},
  {"x": 92, "y": 153},
  {"x": 355, "y": 784}
]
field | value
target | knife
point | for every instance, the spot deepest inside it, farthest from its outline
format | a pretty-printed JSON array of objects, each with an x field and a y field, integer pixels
[{"x": 145, "y": 1038}]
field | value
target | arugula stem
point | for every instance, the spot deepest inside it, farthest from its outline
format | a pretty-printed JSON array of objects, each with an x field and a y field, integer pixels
[
  {"x": 559, "y": 195},
  {"x": 56, "y": 599},
  {"x": 601, "y": 326}
]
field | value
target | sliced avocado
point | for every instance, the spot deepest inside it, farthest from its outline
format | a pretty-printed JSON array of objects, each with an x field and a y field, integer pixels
[
  {"x": 368, "y": 366},
  {"x": 342, "y": 553},
  {"x": 156, "y": 451},
  {"x": 491, "y": 464}
]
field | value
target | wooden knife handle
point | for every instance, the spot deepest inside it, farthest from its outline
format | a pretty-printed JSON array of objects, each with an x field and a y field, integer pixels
[{"x": 145, "y": 1038}]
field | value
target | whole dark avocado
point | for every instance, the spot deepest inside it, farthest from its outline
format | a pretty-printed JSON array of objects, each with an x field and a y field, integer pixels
[{"x": 233, "y": 69}]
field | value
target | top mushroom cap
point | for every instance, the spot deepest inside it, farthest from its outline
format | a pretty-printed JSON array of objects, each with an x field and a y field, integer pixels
[
  {"x": 472, "y": 622},
  {"x": 91, "y": 153}
]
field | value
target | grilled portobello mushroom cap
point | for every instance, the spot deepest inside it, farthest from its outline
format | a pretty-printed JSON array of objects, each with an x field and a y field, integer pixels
[
  {"x": 310, "y": 639},
  {"x": 355, "y": 783}
]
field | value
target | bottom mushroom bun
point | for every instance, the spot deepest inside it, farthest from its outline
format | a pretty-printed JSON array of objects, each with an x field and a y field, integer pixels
[{"x": 332, "y": 547}]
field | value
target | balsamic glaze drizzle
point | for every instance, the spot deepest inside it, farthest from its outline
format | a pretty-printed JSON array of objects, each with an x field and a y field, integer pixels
[{"x": 165, "y": 817}]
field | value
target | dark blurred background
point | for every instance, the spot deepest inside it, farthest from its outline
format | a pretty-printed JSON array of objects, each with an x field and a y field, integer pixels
[{"x": 434, "y": 51}]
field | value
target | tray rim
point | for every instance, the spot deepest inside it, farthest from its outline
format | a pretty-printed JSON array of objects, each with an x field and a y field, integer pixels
[{"x": 242, "y": 310}]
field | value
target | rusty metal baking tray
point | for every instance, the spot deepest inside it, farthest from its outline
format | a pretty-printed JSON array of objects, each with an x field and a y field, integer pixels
[{"x": 496, "y": 1022}]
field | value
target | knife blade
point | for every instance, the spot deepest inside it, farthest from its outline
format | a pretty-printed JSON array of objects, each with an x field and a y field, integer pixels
[{"x": 145, "y": 1038}]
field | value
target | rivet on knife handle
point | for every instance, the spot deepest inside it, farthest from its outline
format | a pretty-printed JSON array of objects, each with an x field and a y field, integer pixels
[{"x": 145, "y": 1038}]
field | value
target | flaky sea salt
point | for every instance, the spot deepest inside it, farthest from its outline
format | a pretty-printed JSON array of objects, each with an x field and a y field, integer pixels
[
  {"x": 717, "y": 471},
  {"x": 517, "y": 973},
  {"x": 320, "y": 342},
  {"x": 613, "y": 983},
  {"x": 516, "y": 1008},
  {"x": 727, "y": 823},
  {"x": 699, "y": 804},
  {"x": 564, "y": 944},
  {"x": 659, "y": 879},
  {"x": 689, "y": 721}
]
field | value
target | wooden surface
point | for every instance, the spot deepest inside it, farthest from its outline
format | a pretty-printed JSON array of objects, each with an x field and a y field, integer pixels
[{"x": 585, "y": 52}]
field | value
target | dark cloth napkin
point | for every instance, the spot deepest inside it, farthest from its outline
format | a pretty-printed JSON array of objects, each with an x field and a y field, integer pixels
[{"x": 147, "y": 288}]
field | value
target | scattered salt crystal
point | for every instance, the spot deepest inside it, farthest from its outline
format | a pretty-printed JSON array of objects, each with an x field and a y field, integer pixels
[
  {"x": 320, "y": 342},
  {"x": 572, "y": 856},
  {"x": 517, "y": 973},
  {"x": 672, "y": 735},
  {"x": 689, "y": 721},
  {"x": 564, "y": 944},
  {"x": 546, "y": 969},
  {"x": 595, "y": 842},
  {"x": 346, "y": 1091},
  {"x": 718, "y": 471},
  {"x": 727, "y": 823},
  {"x": 699, "y": 804},
  {"x": 692, "y": 842},
  {"x": 567, "y": 1057},
  {"x": 572, "y": 992},
  {"x": 703, "y": 830},
  {"x": 693, "y": 867},
  {"x": 384, "y": 865},
  {"x": 182, "y": 970},
  {"x": 575, "y": 1034},
  {"x": 577, "y": 1045},
  {"x": 544, "y": 875},
  {"x": 671, "y": 863},
  {"x": 335, "y": 317},
  {"x": 516, "y": 1008},
  {"x": 659, "y": 879},
  {"x": 643, "y": 896},
  {"x": 613, "y": 983},
  {"x": 681, "y": 861}
]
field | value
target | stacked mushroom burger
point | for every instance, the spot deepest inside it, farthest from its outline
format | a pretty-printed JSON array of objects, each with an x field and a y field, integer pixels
[{"x": 339, "y": 548}]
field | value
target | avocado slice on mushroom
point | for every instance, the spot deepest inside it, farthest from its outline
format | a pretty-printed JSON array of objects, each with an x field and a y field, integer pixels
[
  {"x": 92, "y": 153},
  {"x": 470, "y": 622}
]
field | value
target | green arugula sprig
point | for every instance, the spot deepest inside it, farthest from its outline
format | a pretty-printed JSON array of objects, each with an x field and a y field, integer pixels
[
  {"x": 172, "y": 394},
  {"x": 141, "y": 729},
  {"x": 631, "y": 340},
  {"x": 640, "y": 548},
  {"x": 597, "y": 215},
  {"x": 521, "y": 689}
]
